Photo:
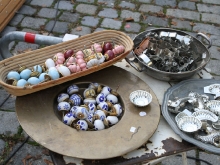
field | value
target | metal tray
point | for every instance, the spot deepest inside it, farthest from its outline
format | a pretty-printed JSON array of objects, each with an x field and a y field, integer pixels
[{"x": 181, "y": 90}]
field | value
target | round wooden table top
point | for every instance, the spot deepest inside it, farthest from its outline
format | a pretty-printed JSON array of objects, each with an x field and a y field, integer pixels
[{"x": 37, "y": 115}]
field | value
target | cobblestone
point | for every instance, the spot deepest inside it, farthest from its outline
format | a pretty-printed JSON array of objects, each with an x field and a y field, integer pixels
[
  {"x": 183, "y": 14},
  {"x": 150, "y": 8},
  {"x": 42, "y": 3},
  {"x": 109, "y": 3},
  {"x": 2, "y": 146},
  {"x": 47, "y": 13},
  {"x": 60, "y": 27},
  {"x": 109, "y": 13},
  {"x": 7, "y": 29},
  {"x": 34, "y": 23},
  {"x": 125, "y": 4},
  {"x": 185, "y": 25},
  {"x": 64, "y": 5},
  {"x": 90, "y": 21},
  {"x": 87, "y": 9},
  {"x": 127, "y": 14},
  {"x": 22, "y": 46},
  {"x": 16, "y": 20},
  {"x": 213, "y": 18},
  {"x": 217, "y": 2},
  {"x": 69, "y": 17},
  {"x": 27, "y": 10},
  {"x": 145, "y": 1},
  {"x": 187, "y": 5},
  {"x": 111, "y": 23},
  {"x": 81, "y": 30},
  {"x": 87, "y": 1},
  {"x": 208, "y": 8},
  {"x": 132, "y": 27},
  {"x": 206, "y": 28},
  {"x": 156, "y": 21},
  {"x": 171, "y": 3}
]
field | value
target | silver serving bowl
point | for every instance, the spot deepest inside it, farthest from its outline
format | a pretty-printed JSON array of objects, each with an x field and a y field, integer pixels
[
  {"x": 189, "y": 124},
  {"x": 140, "y": 98},
  {"x": 179, "y": 116}
]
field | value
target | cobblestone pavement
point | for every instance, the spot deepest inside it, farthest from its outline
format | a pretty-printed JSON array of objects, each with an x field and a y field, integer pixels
[{"x": 82, "y": 17}]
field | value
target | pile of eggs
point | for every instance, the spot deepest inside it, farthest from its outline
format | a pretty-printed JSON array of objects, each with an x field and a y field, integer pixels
[
  {"x": 64, "y": 63},
  {"x": 97, "y": 108}
]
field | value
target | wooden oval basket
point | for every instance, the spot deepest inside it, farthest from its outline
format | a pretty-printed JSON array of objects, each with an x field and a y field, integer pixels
[{"x": 38, "y": 57}]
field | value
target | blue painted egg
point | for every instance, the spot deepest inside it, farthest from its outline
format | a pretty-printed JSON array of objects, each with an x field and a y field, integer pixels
[
  {"x": 82, "y": 125},
  {"x": 68, "y": 118},
  {"x": 33, "y": 80},
  {"x": 54, "y": 74},
  {"x": 13, "y": 75},
  {"x": 37, "y": 68},
  {"x": 21, "y": 83},
  {"x": 75, "y": 99},
  {"x": 25, "y": 74}
]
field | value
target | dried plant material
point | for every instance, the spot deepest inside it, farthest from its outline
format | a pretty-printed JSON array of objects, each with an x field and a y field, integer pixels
[
  {"x": 79, "y": 28},
  {"x": 160, "y": 14},
  {"x": 218, "y": 49},
  {"x": 27, "y": 157},
  {"x": 48, "y": 162},
  {"x": 192, "y": 23},
  {"x": 45, "y": 152},
  {"x": 174, "y": 23},
  {"x": 72, "y": 1},
  {"x": 130, "y": 19}
]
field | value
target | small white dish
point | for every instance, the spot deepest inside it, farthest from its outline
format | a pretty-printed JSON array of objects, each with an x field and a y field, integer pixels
[
  {"x": 140, "y": 98},
  {"x": 189, "y": 124}
]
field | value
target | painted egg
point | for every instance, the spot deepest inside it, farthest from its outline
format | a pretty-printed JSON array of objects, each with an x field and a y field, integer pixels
[
  {"x": 99, "y": 114},
  {"x": 100, "y": 98},
  {"x": 93, "y": 85},
  {"x": 112, "y": 120},
  {"x": 102, "y": 105},
  {"x": 63, "y": 106},
  {"x": 25, "y": 74},
  {"x": 118, "y": 108},
  {"x": 13, "y": 75},
  {"x": 99, "y": 125},
  {"x": 50, "y": 63},
  {"x": 89, "y": 100},
  {"x": 64, "y": 71},
  {"x": 44, "y": 77},
  {"x": 106, "y": 90},
  {"x": 68, "y": 118},
  {"x": 54, "y": 74},
  {"x": 37, "y": 68},
  {"x": 74, "y": 109},
  {"x": 90, "y": 118},
  {"x": 89, "y": 93},
  {"x": 112, "y": 98},
  {"x": 82, "y": 125},
  {"x": 81, "y": 113},
  {"x": 33, "y": 80},
  {"x": 62, "y": 97},
  {"x": 75, "y": 99},
  {"x": 92, "y": 107},
  {"x": 21, "y": 83},
  {"x": 72, "y": 89}
]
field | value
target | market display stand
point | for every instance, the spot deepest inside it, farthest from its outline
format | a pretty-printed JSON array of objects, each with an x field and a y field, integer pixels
[{"x": 163, "y": 143}]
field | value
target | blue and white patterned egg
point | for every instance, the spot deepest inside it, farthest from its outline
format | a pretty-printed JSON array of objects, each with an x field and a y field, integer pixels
[
  {"x": 81, "y": 113},
  {"x": 106, "y": 90},
  {"x": 21, "y": 83},
  {"x": 100, "y": 98},
  {"x": 72, "y": 89},
  {"x": 112, "y": 98},
  {"x": 92, "y": 107},
  {"x": 25, "y": 74},
  {"x": 82, "y": 125},
  {"x": 33, "y": 80},
  {"x": 68, "y": 118},
  {"x": 74, "y": 109},
  {"x": 93, "y": 85},
  {"x": 13, "y": 75},
  {"x": 118, "y": 108},
  {"x": 112, "y": 120},
  {"x": 90, "y": 118},
  {"x": 100, "y": 115},
  {"x": 102, "y": 105},
  {"x": 62, "y": 97},
  {"x": 63, "y": 106},
  {"x": 99, "y": 125},
  {"x": 75, "y": 99},
  {"x": 89, "y": 100},
  {"x": 37, "y": 68}
]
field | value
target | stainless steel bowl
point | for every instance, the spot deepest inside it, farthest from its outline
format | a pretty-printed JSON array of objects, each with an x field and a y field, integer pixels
[{"x": 139, "y": 64}]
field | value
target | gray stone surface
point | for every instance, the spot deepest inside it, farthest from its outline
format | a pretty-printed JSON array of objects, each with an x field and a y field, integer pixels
[
  {"x": 171, "y": 3},
  {"x": 9, "y": 104},
  {"x": 47, "y": 13},
  {"x": 217, "y": 2},
  {"x": 36, "y": 153},
  {"x": 211, "y": 158},
  {"x": 213, "y": 18},
  {"x": 150, "y": 8},
  {"x": 125, "y": 4},
  {"x": 16, "y": 19},
  {"x": 34, "y": 23},
  {"x": 185, "y": 25},
  {"x": 215, "y": 40},
  {"x": 156, "y": 21},
  {"x": 42, "y": 3},
  {"x": 208, "y": 8},
  {"x": 99, "y": 29},
  {"x": 81, "y": 30},
  {"x": 60, "y": 27},
  {"x": 145, "y": 1},
  {"x": 2, "y": 146},
  {"x": 7, "y": 29},
  {"x": 132, "y": 27},
  {"x": 127, "y": 14},
  {"x": 30, "y": 30},
  {"x": 65, "y": 5},
  {"x": 206, "y": 28},
  {"x": 3, "y": 96},
  {"x": 22, "y": 46},
  {"x": 90, "y": 21},
  {"x": 27, "y": 10},
  {"x": 11, "y": 124},
  {"x": 87, "y": 9},
  {"x": 187, "y": 5},
  {"x": 109, "y": 3},
  {"x": 109, "y": 13},
  {"x": 86, "y": 1},
  {"x": 69, "y": 17},
  {"x": 192, "y": 15},
  {"x": 111, "y": 23}
]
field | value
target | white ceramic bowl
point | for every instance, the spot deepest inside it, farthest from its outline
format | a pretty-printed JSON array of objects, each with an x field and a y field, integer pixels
[{"x": 140, "y": 98}]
